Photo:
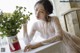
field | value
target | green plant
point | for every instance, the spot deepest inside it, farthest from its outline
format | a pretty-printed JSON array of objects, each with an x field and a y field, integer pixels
[{"x": 10, "y": 24}]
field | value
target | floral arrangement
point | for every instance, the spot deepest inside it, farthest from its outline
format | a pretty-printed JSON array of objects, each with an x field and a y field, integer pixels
[{"x": 10, "y": 23}]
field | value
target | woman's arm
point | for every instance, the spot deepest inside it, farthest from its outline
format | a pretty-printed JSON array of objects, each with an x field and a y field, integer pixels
[
  {"x": 33, "y": 30},
  {"x": 30, "y": 37}
]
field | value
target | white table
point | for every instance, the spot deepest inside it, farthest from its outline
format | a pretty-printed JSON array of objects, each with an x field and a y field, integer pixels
[
  {"x": 40, "y": 49},
  {"x": 43, "y": 49}
]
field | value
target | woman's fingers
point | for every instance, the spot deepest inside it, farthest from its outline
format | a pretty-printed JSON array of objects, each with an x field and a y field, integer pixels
[{"x": 27, "y": 48}]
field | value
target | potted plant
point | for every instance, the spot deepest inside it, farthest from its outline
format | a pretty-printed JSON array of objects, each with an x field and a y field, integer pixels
[{"x": 10, "y": 25}]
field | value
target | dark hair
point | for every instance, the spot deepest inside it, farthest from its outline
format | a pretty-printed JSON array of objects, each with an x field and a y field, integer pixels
[{"x": 47, "y": 5}]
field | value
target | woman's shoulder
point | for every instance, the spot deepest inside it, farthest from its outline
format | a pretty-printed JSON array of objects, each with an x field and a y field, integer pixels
[
  {"x": 34, "y": 26},
  {"x": 36, "y": 23},
  {"x": 54, "y": 18}
]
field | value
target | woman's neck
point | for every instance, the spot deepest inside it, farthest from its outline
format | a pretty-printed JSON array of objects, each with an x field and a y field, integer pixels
[{"x": 47, "y": 19}]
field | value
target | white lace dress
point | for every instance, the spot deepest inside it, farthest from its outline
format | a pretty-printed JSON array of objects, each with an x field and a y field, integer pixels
[
  {"x": 47, "y": 30},
  {"x": 52, "y": 31}
]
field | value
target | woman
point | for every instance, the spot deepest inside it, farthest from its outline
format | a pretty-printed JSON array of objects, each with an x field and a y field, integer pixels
[{"x": 48, "y": 26}]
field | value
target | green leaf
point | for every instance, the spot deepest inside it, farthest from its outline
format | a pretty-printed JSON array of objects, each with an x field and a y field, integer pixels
[{"x": 11, "y": 23}]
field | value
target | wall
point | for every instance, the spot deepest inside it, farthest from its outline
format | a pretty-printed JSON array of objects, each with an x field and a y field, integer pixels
[{"x": 60, "y": 8}]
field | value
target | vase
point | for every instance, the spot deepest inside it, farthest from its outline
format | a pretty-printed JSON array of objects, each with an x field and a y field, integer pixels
[{"x": 14, "y": 43}]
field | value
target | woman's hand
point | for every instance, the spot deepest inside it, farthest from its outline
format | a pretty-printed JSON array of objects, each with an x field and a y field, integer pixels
[{"x": 29, "y": 47}]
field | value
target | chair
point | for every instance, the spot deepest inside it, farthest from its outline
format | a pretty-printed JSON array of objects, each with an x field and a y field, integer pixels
[{"x": 72, "y": 20}]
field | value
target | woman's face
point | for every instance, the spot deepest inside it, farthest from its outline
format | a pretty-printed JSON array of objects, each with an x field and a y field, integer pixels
[{"x": 40, "y": 12}]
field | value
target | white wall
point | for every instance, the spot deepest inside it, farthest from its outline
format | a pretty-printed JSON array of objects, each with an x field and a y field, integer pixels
[{"x": 60, "y": 8}]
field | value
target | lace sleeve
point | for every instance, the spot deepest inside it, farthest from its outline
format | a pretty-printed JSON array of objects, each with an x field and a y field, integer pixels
[{"x": 33, "y": 30}]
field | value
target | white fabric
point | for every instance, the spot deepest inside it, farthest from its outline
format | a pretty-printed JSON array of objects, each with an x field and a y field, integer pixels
[
  {"x": 46, "y": 29},
  {"x": 52, "y": 31}
]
